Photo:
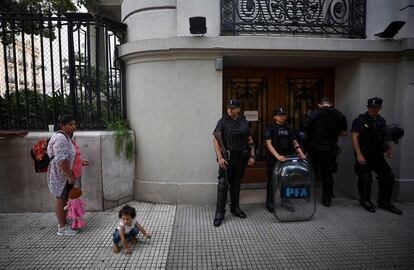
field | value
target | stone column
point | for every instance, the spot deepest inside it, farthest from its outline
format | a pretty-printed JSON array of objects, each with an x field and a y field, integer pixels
[
  {"x": 149, "y": 18},
  {"x": 380, "y": 13},
  {"x": 404, "y": 111},
  {"x": 174, "y": 98}
]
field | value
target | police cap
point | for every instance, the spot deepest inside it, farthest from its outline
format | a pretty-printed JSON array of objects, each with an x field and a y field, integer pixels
[
  {"x": 279, "y": 111},
  {"x": 233, "y": 103},
  {"x": 374, "y": 102}
]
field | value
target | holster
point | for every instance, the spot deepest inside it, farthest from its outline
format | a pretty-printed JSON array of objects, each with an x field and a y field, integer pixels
[{"x": 226, "y": 155}]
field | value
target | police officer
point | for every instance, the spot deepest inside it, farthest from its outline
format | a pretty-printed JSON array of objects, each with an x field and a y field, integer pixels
[
  {"x": 280, "y": 141},
  {"x": 235, "y": 136},
  {"x": 368, "y": 140},
  {"x": 323, "y": 126}
]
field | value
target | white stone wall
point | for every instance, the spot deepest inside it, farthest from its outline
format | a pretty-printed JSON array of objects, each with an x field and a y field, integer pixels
[
  {"x": 355, "y": 82},
  {"x": 173, "y": 107},
  {"x": 106, "y": 183},
  {"x": 379, "y": 15},
  {"x": 209, "y": 9},
  {"x": 403, "y": 112},
  {"x": 407, "y": 15},
  {"x": 349, "y": 102},
  {"x": 149, "y": 18}
]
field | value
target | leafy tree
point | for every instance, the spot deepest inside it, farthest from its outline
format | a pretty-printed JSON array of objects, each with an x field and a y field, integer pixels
[
  {"x": 87, "y": 90},
  {"x": 38, "y": 114},
  {"x": 13, "y": 107},
  {"x": 8, "y": 8}
]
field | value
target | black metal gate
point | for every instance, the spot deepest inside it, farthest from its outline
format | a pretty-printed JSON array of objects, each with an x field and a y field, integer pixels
[{"x": 60, "y": 63}]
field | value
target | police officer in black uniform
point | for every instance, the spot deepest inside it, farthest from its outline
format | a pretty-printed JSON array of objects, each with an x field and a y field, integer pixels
[
  {"x": 368, "y": 140},
  {"x": 237, "y": 138},
  {"x": 280, "y": 141},
  {"x": 323, "y": 126}
]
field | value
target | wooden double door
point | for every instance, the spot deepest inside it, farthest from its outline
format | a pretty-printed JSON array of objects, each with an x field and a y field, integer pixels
[{"x": 262, "y": 90}]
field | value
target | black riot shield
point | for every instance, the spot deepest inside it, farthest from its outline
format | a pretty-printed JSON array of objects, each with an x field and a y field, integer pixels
[{"x": 293, "y": 190}]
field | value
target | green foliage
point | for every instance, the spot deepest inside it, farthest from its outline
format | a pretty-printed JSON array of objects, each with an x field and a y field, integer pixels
[
  {"x": 88, "y": 83},
  {"x": 122, "y": 138},
  {"x": 35, "y": 103},
  {"x": 95, "y": 105},
  {"x": 28, "y": 7}
]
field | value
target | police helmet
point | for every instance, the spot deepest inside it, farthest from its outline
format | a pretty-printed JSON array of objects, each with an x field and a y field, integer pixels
[{"x": 394, "y": 132}]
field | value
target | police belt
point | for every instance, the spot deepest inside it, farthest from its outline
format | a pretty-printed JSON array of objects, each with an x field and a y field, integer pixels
[
  {"x": 238, "y": 154},
  {"x": 325, "y": 146},
  {"x": 371, "y": 151}
]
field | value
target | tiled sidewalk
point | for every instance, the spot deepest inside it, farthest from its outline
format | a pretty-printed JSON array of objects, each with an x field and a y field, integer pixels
[
  {"x": 343, "y": 236},
  {"x": 29, "y": 241}
]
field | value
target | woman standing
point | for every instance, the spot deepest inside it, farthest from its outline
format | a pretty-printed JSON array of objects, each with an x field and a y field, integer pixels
[{"x": 59, "y": 175}]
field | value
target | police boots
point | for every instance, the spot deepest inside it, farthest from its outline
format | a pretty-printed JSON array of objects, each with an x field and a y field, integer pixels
[
  {"x": 384, "y": 200},
  {"x": 269, "y": 196},
  {"x": 234, "y": 207},
  {"x": 389, "y": 206},
  {"x": 218, "y": 219},
  {"x": 364, "y": 188},
  {"x": 367, "y": 205},
  {"x": 327, "y": 187},
  {"x": 236, "y": 211},
  {"x": 269, "y": 201}
]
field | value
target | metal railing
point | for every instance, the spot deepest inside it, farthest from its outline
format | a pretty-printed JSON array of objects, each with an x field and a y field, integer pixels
[
  {"x": 328, "y": 18},
  {"x": 60, "y": 63}
]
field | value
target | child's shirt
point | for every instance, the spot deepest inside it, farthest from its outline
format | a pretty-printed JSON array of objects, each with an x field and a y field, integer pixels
[
  {"x": 77, "y": 163},
  {"x": 127, "y": 227}
]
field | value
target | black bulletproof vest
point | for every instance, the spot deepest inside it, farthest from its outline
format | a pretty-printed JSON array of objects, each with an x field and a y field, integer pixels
[
  {"x": 235, "y": 134},
  {"x": 281, "y": 139},
  {"x": 326, "y": 126},
  {"x": 371, "y": 139}
]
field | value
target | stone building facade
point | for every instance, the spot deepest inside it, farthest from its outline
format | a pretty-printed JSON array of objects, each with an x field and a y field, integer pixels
[{"x": 177, "y": 82}]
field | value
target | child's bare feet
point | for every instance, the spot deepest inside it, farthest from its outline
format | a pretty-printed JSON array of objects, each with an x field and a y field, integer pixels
[
  {"x": 134, "y": 240},
  {"x": 115, "y": 248}
]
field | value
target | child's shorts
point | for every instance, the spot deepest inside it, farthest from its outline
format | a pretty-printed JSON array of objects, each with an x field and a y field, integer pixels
[{"x": 116, "y": 237}]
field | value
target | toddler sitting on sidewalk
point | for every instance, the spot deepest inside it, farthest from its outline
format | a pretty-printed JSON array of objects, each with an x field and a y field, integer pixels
[{"x": 128, "y": 229}]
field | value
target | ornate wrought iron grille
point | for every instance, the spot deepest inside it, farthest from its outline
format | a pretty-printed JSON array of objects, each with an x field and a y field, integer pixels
[
  {"x": 303, "y": 95},
  {"x": 60, "y": 63},
  {"x": 337, "y": 18},
  {"x": 252, "y": 92}
]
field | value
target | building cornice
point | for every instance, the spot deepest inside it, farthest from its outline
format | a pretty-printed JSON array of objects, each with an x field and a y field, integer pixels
[{"x": 252, "y": 45}]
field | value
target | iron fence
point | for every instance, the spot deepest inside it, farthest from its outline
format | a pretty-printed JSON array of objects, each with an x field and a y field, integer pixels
[
  {"x": 329, "y": 18},
  {"x": 60, "y": 63}
]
